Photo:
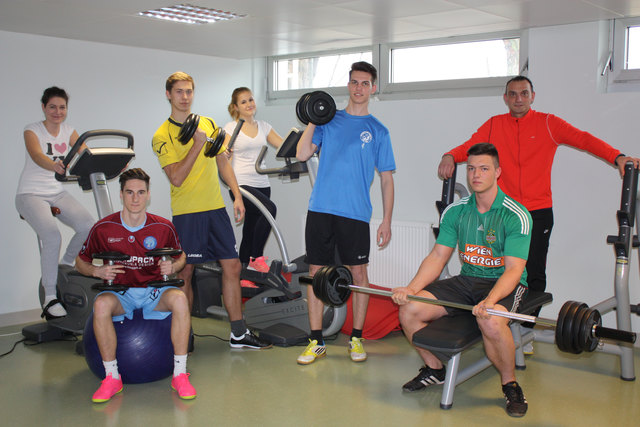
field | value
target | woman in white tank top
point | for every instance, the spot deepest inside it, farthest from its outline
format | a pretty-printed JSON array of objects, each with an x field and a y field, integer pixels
[{"x": 253, "y": 135}]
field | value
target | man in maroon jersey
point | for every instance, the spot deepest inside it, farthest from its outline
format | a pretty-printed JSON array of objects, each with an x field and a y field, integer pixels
[{"x": 134, "y": 232}]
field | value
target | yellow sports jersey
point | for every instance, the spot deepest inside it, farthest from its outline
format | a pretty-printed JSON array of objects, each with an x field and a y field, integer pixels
[{"x": 200, "y": 191}]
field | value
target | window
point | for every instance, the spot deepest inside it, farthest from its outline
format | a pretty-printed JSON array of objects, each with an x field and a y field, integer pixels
[
  {"x": 312, "y": 72},
  {"x": 623, "y": 64},
  {"x": 632, "y": 51},
  {"x": 481, "y": 59},
  {"x": 461, "y": 66}
]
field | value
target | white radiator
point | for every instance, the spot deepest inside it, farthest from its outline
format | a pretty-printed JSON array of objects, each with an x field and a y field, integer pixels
[{"x": 397, "y": 263}]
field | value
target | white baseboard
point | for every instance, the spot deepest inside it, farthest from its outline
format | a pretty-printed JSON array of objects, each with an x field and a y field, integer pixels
[{"x": 20, "y": 317}]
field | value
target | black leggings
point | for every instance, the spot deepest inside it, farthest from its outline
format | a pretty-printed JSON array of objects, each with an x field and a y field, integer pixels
[
  {"x": 537, "y": 262},
  {"x": 256, "y": 228}
]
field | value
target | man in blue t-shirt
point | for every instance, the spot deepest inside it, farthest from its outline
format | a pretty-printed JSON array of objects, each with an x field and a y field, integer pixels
[{"x": 352, "y": 146}]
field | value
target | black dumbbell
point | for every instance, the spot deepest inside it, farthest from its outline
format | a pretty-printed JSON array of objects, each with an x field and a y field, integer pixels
[
  {"x": 213, "y": 144},
  {"x": 316, "y": 107},
  {"x": 165, "y": 254},
  {"x": 109, "y": 258}
]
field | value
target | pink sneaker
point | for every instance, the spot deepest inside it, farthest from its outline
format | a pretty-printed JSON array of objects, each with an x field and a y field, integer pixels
[
  {"x": 247, "y": 284},
  {"x": 107, "y": 389},
  {"x": 184, "y": 388},
  {"x": 259, "y": 264}
]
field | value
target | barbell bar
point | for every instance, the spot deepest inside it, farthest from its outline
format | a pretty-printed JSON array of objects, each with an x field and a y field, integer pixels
[{"x": 577, "y": 326}]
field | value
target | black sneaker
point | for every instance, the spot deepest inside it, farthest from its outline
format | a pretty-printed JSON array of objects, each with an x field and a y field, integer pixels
[
  {"x": 516, "y": 402},
  {"x": 248, "y": 340},
  {"x": 427, "y": 376}
]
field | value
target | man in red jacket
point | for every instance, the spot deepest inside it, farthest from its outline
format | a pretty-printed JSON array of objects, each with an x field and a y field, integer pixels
[{"x": 527, "y": 141}]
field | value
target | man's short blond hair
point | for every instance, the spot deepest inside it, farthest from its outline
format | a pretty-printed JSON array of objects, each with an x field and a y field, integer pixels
[{"x": 179, "y": 76}]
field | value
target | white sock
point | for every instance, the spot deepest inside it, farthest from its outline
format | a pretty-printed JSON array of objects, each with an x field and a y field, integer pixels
[
  {"x": 239, "y": 337},
  {"x": 56, "y": 309},
  {"x": 179, "y": 364},
  {"x": 111, "y": 368}
]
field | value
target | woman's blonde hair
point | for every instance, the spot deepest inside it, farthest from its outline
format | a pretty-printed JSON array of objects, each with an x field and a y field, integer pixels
[{"x": 234, "y": 101}]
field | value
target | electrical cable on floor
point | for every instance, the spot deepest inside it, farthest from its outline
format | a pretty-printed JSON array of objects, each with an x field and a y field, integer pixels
[
  {"x": 210, "y": 336},
  {"x": 13, "y": 348}
]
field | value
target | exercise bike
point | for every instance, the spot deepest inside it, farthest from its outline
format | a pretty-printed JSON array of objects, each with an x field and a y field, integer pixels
[
  {"x": 277, "y": 309},
  {"x": 91, "y": 169}
]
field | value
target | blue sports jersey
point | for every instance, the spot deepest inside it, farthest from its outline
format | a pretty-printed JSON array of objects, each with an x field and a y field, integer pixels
[{"x": 351, "y": 149}]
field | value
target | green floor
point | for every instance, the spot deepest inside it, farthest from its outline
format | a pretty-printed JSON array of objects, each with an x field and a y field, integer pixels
[{"x": 49, "y": 385}]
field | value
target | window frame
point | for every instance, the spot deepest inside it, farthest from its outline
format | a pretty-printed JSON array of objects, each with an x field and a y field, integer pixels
[
  {"x": 381, "y": 59},
  {"x": 618, "y": 76},
  {"x": 273, "y": 94}
]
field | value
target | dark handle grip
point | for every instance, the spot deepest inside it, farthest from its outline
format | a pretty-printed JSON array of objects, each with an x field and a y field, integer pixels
[
  {"x": 235, "y": 133},
  {"x": 615, "y": 334}
]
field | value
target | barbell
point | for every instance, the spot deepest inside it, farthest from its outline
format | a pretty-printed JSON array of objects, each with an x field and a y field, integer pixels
[
  {"x": 316, "y": 107},
  {"x": 214, "y": 142},
  {"x": 577, "y": 329}
]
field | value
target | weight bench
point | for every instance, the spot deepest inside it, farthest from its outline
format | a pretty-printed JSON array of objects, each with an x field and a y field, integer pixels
[{"x": 449, "y": 336}]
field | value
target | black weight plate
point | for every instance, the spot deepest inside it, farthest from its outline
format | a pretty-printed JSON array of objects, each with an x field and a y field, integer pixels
[
  {"x": 590, "y": 341},
  {"x": 562, "y": 317},
  {"x": 160, "y": 252},
  {"x": 580, "y": 315},
  {"x": 101, "y": 287},
  {"x": 300, "y": 109},
  {"x": 188, "y": 128},
  {"x": 567, "y": 329},
  {"x": 163, "y": 283},
  {"x": 330, "y": 285},
  {"x": 337, "y": 289},
  {"x": 318, "y": 285},
  {"x": 214, "y": 144},
  {"x": 319, "y": 107}
]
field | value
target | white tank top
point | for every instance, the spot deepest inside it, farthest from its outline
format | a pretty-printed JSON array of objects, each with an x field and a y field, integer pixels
[
  {"x": 245, "y": 154},
  {"x": 37, "y": 180}
]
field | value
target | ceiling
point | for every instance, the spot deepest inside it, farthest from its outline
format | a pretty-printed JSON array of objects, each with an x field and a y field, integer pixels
[{"x": 280, "y": 27}]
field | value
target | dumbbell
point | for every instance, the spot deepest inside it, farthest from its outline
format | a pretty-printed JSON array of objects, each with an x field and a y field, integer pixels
[
  {"x": 110, "y": 258},
  {"x": 213, "y": 144},
  {"x": 316, "y": 107},
  {"x": 165, "y": 254}
]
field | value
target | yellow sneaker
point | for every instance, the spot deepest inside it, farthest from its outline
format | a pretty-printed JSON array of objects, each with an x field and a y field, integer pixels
[
  {"x": 356, "y": 350},
  {"x": 312, "y": 352}
]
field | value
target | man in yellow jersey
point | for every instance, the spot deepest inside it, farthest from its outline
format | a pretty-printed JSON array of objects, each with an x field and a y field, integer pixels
[{"x": 198, "y": 209}]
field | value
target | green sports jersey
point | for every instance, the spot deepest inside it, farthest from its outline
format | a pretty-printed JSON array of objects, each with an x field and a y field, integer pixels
[{"x": 485, "y": 239}]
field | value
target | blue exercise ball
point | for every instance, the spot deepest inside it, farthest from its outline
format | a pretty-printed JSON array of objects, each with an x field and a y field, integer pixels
[{"x": 144, "y": 352}]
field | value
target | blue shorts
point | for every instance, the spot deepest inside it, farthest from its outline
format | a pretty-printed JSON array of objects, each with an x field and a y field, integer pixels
[
  {"x": 206, "y": 236},
  {"x": 145, "y": 298}
]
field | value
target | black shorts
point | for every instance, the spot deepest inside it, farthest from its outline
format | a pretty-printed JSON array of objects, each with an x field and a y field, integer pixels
[
  {"x": 472, "y": 290},
  {"x": 325, "y": 232}
]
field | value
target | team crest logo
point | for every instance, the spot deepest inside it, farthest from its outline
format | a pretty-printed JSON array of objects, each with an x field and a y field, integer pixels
[
  {"x": 150, "y": 242},
  {"x": 491, "y": 237},
  {"x": 131, "y": 239},
  {"x": 365, "y": 137}
]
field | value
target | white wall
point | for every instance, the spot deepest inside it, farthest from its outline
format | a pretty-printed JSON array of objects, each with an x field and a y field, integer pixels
[
  {"x": 109, "y": 87},
  {"x": 564, "y": 68}
]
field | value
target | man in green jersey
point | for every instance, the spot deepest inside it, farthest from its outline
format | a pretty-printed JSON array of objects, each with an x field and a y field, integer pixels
[{"x": 492, "y": 232}]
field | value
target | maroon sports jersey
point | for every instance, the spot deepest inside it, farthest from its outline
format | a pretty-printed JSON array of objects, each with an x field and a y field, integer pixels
[{"x": 109, "y": 234}]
